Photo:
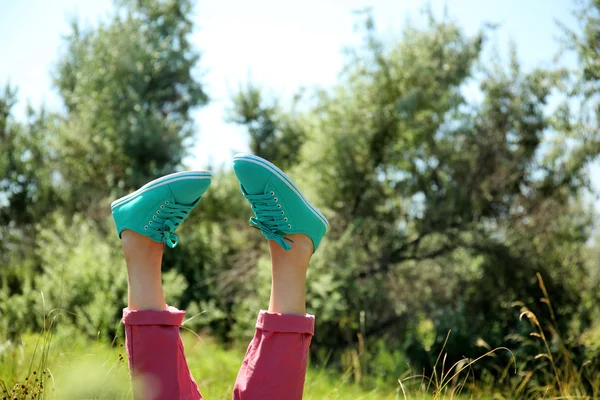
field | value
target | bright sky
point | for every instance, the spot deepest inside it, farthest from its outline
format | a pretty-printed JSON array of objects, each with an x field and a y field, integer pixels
[{"x": 282, "y": 45}]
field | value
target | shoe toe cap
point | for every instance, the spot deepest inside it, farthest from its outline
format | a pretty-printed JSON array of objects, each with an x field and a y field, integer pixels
[
  {"x": 253, "y": 177},
  {"x": 187, "y": 191}
]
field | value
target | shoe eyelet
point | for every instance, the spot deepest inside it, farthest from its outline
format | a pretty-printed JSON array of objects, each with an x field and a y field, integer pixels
[
  {"x": 162, "y": 206},
  {"x": 276, "y": 199},
  {"x": 282, "y": 213},
  {"x": 289, "y": 226},
  {"x": 272, "y": 193},
  {"x": 278, "y": 205},
  {"x": 167, "y": 202},
  {"x": 158, "y": 211},
  {"x": 154, "y": 217},
  {"x": 286, "y": 219},
  {"x": 146, "y": 227},
  {"x": 149, "y": 222}
]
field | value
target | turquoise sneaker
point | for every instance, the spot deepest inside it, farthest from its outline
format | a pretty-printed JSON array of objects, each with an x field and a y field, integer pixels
[
  {"x": 279, "y": 207},
  {"x": 158, "y": 208}
]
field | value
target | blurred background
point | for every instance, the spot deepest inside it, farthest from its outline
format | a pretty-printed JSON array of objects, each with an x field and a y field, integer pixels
[{"x": 453, "y": 146}]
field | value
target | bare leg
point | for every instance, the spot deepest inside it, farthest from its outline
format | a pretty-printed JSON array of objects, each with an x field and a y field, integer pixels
[
  {"x": 288, "y": 269},
  {"x": 154, "y": 348},
  {"x": 143, "y": 257},
  {"x": 275, "y": 364}
]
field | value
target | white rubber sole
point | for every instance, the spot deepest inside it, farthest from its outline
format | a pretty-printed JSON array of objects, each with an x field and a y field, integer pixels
[{"x": 165, "y": 180}]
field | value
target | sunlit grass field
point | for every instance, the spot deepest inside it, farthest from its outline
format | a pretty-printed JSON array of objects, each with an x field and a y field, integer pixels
[
  {"x": 79, "y": 369},
  {"x": 74, "y": 368},
  {"x": 68, "y": 366}
]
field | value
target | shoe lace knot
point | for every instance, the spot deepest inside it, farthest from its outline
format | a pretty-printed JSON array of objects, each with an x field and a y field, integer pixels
[
  {"x": 269, "y": 217},
  {"x": 166, "y": 220}
]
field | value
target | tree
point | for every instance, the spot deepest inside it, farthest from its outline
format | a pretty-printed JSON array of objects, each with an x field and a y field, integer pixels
[
  {"x": 128, "y": 87},
  {"x": 274, "y": 134},
  {"x": 26, "y": 191},
  {"x": 441, "y": 208}
]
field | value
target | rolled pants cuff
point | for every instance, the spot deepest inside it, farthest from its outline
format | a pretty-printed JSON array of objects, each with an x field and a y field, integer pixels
[
  {"x": 157, "y": 363},
  {"x": 275, "y": 363}
]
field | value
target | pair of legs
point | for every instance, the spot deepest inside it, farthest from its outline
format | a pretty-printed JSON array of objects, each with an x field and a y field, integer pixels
[{"x": 275, "y": 364}]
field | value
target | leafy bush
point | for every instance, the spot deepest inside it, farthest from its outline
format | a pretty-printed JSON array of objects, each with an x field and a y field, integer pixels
[{"x": 83, "y": 281}]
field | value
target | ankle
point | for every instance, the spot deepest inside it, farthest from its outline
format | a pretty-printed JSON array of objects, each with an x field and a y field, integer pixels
[
  {"x": 301, "y": 251},
  {"x": 141, "y": 250},
  {"x": 143, "y": 257},
  {"x": 289, "y": 268}
]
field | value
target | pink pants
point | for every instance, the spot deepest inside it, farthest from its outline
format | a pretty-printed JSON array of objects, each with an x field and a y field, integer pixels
[{"x": 274, "y": 366}]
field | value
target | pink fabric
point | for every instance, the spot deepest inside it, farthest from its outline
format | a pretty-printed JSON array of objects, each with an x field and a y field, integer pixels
[
  {"x": 275, "y": 363},
  {"x": 274, "y": 366},
  {"x": 157, "y": 362}
]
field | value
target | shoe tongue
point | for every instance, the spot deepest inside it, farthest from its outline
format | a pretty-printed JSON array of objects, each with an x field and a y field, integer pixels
[
  {"x": 250, "y": 189},
  {"x": 185, "y": 199}
]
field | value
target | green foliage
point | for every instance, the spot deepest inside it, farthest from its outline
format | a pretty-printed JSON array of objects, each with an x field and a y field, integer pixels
[
  {"x": 24, "y": 185},
  {"x": 26, "y": 195},
  {"x": 91, "y": 369},
  {"x": 274, "y": 135},
  {"x": 82, "y": 274},
  {"x": 128, "y": 86},
  {"x": 439, "y": 205},
  {"x": 447, "y": 211}
]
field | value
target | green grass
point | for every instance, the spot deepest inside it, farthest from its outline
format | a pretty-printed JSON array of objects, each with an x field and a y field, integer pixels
[
  {"x": 77, "y": 368},
  {"x": 80, "y": 369},
  {"x": 68, "y": 367}
]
